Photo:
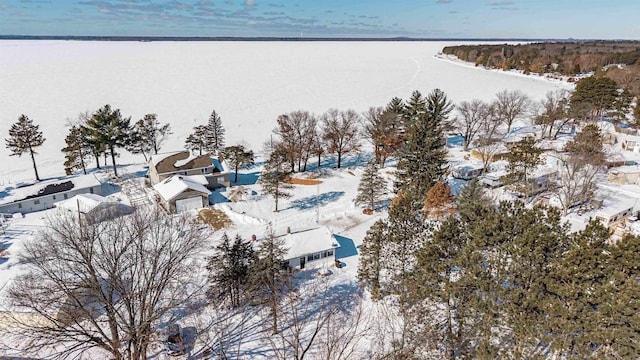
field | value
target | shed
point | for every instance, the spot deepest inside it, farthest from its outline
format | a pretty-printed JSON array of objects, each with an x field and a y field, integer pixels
[
  {"x": 183, "y": 193},
  {"x": 92, "y": 208}
]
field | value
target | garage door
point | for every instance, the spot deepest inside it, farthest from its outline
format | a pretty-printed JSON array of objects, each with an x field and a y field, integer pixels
[{"x": 188, "y": 204}]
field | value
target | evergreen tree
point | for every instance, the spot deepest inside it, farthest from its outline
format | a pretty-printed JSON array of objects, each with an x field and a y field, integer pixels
[
  {"x": 229, "y": 270},
  {"x": 269, "y": 278},
  {"x": 370, "y": 265},
  {"x": 471, "y": 202},
  {"x": 636, "y": 115},
  {"x": 273, "y": 177},
  {"x": 622, "y": 105},
  {"x": 523, "y": 157},
  {"x": 76, "y": 151},
  {"x": 147, "y": 135},
  {"x": 214, "y": 134},
  {"x": 422, "y": 161},
  {"x": 24, "y": 137},
  {"x": 107, "y": 127},
  {"x": 371, "y": 188},
  {"x": 592, "y": 97},
  {"x": 238, "y": 157},
  {"x": 197, "y": 140}
]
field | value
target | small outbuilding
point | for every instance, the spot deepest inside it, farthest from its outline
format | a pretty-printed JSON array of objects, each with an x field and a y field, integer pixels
[
  {"x": 180, "y": 193},
  {"x": 93, "y": 208},
  {"x": 625, "y": 175}
]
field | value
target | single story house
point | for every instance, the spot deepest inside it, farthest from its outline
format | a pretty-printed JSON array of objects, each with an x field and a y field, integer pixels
[
  {"x": 93, "y": 208},
  {"x": 310, "y": 248},
  {"x": 165, "y": 165},
  {"x": 625, "y": 175},
  {"x": 467, "y": 172},
  {"x": 611, "y": 215},
  {"x": 180, "y": 193},
  {"x": 492, "y": 153},
  {"x": 630, "y": 142},
  {"x": 42, "y": 195}
]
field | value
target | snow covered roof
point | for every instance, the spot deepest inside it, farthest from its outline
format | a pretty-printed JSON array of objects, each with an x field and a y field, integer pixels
[
  {"x": 47, "y": 187},
  {"x": 173, "y": 186},
  {"x": 157, "y": 158},
  {"x": 308, "y": 241},
  {"x": 629, "y": 169},
  {"x": 84, "y": 202},
  {"x": 221, "y": 165}
]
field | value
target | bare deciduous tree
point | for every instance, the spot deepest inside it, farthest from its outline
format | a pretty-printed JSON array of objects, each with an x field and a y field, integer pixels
[
  {"x": 381, "y": 128},
  {"x": 107, "y": 285},
  {"x": 340, "y": 132},
  {"x": 296, "y": 131},
  {"x": 472, "y": 116},
  {"x": 510, "y": 105},
  {"x": 554, "y": 113}
]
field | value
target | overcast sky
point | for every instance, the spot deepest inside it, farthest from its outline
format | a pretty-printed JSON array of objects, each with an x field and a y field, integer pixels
[{"x": 601, "y": 19}]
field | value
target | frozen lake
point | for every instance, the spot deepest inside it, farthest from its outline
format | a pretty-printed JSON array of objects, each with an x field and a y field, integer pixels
[{"x": 248, "y": 83}]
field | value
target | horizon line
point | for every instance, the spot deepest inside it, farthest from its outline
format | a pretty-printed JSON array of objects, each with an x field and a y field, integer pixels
[{"x": 282, "y": 38}]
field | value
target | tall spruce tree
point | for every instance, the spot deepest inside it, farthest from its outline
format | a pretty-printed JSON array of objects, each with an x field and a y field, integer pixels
[
  {"x": 422, "y": 161},
  {"x": 523, "y": 157},
  {"x": 238, "y": 157},
  {"x": 370, "y": 265},
  {"x": 472, "y": 203},
  {"x": 24, "y": 137},
  {"x": 229, "y": 270},
  {"x": 269, "y": 279},
  {"x": 107, "y": 127},
  {"x": 372, "y": 187},
  {"x": 76, "y": 151},
  {"x": 214, "y": 134},
  {"x": 273, "y": 178}
]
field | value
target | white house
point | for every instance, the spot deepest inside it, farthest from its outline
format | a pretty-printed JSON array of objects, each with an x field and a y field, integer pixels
[
  {"x": 310, "y": 248},
  {"x": 467, "y": 172},
  {"x": 180, "y": 193},
  {"x": 42, "y": 195},
  {"x": 165, "y": 165}
]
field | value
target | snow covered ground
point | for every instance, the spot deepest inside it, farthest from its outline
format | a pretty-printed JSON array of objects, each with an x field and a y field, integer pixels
[{"x": 248, "y": 83}]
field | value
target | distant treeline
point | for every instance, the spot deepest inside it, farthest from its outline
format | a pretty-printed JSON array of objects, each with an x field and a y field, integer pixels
[
  {"x": 566, "y": 58},
  {"x": 232, "y": 38}
]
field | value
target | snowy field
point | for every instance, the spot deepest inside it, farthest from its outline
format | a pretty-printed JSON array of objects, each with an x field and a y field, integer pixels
[{"x": 248, "y": 83}]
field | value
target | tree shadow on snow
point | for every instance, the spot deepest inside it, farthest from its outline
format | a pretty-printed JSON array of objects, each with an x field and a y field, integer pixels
[
  {"x": 245, "y": 179},
  {"x": 311, "y": 202},
  {"x": 347, "y": 247}
]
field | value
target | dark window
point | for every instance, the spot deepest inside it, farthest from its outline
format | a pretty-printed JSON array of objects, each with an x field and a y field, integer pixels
[
  {"x": 330, "y": 252},
  {"x": 36, "y": 202},
  {"x": 310, "y": 258},
  {"x": 19, "y": 205},
  {"x": 66, "y": 196},
  {"x": 54, "y": 197},
  {"x": 91, "y": 190},
  {"x": 316, "y": 256}
]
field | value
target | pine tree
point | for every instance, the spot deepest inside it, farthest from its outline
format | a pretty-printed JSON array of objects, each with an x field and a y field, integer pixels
[
  {"x": 422, "y": 161},
  {"x": 238, "y": 157},
  {"x": 273, "y": 177},
  {"x": 439, "y": 202},
  {"x": 147, "y": 135},
  {"x": 269, "y": 278},
  {"x": 370, "y": 265},
  {"x": 472, "y": 202},
  {"x": 76, "y": 151},
  {"x": 214, "y": 134},
  {"x": 229, "y": 270},
  {"x": 24, "y": 137},
  {"x": 523, "y": 157},
  {"x": 371, "y": 188},
  {"x": 107, "y": 127},
  {"x": 197, "y": 140},
  {"x": 136, "y": 141}
]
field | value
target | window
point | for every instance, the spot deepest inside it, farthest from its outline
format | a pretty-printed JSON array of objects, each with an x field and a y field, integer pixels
[
  {"x": 204, "y": 171},
  {"x": 91, "y": 190},
  {"x": 330, "y": 252},
  {"x": 221, "y": 180},
  {"x": 19, "y": 205},
  {"x": 66, "y": 196},
  {"x": 324, "y": 254},
  {"x": 316, "y": 256},
  {"x": 54, "y": 197},
  {"x": 310, "y": 258},
  {"x": 36, "y": 202}
]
